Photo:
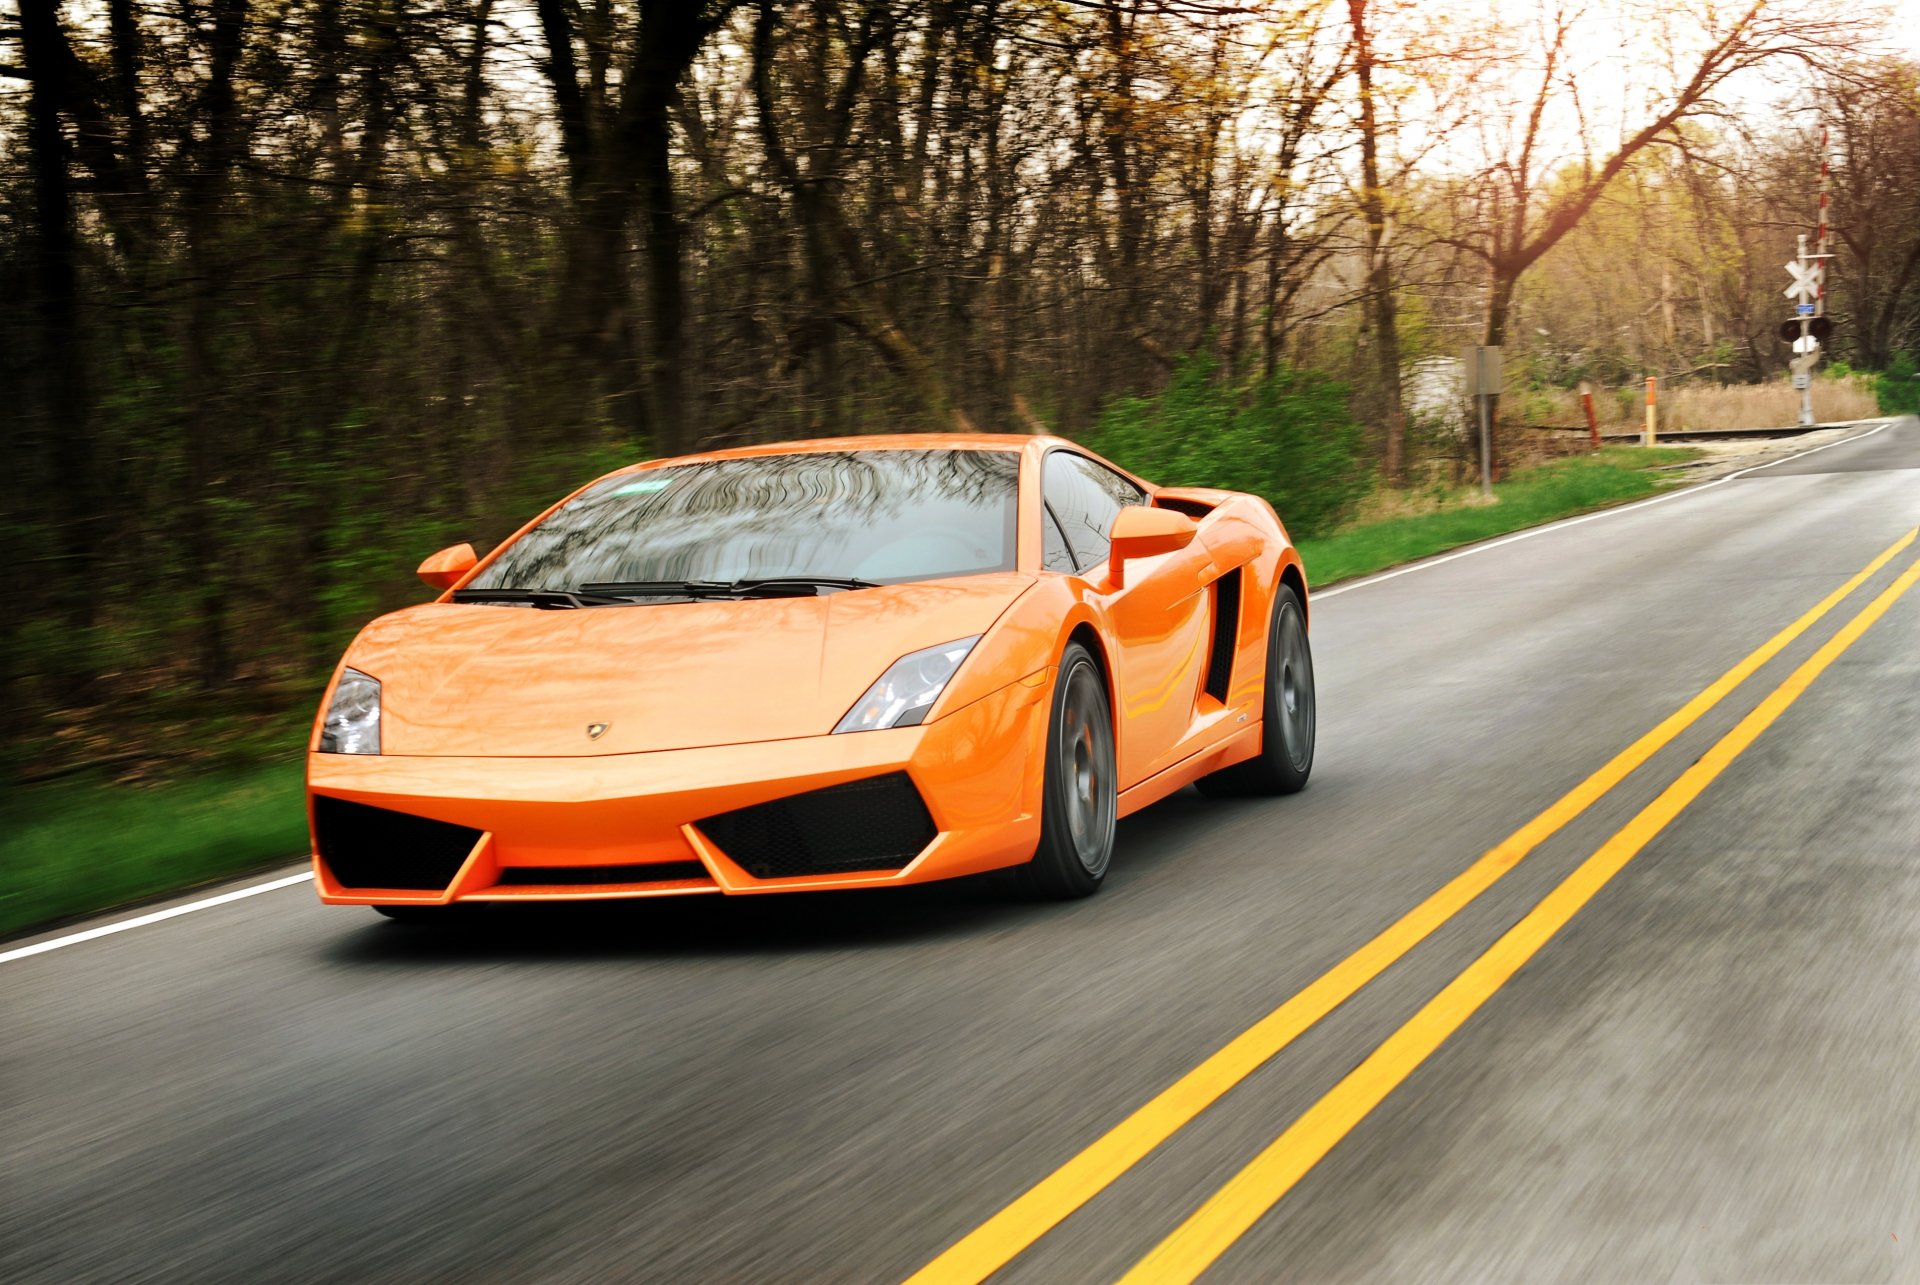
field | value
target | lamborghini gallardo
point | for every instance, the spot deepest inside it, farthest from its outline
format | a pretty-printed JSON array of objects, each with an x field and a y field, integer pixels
[{"x": 820, "y": 665}]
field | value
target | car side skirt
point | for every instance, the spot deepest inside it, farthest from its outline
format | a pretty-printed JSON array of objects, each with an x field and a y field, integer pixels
[{"x": 1237, "y": 748}]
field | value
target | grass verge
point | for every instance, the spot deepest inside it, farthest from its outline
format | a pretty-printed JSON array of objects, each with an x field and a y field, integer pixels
[
  {"x": 75, "y": 846},
  {"x": 1612, "y": 475}
]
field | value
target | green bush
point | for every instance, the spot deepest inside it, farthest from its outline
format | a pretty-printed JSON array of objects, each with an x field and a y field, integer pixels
[
  {"x": 1287, "y": 437},
  {"x": 1898, "y": 387}
]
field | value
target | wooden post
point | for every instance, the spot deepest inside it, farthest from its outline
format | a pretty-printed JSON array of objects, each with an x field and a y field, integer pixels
[{"x": 1593, "y": 421}]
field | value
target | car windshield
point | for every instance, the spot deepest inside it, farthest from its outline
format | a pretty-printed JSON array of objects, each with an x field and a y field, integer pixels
[{"x": 887, "y": 516}]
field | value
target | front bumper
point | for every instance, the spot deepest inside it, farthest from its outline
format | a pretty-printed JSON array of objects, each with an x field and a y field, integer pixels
[{"x": 543, "y": 829}]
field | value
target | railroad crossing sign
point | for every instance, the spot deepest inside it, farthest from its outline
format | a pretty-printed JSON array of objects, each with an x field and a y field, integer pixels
[{"x": 1806, "y": 282}]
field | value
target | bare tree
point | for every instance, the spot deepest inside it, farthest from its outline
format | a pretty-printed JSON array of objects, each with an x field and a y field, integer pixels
[{"x": 1533, "y": 191}]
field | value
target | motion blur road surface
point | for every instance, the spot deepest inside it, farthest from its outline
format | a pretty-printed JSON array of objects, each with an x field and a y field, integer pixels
[{"x": 1713, "y": 1073}]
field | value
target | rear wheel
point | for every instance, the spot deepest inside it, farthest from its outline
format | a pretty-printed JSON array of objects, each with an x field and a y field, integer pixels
[
  {"x": 1080, "y": 798},
  {"x": 1287, "y": 713}
]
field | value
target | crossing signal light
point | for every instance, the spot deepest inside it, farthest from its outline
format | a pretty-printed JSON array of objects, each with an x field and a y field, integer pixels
[{"x": 1821, "y": 328}]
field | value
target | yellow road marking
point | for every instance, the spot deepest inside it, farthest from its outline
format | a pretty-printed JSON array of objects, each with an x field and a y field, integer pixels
[
  {"x": 1257, "y": 1188},
  {"x": 996, "y": 1242}
]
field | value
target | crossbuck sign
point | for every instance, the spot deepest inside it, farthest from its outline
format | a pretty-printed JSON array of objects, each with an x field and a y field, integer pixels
[{"x": 1806, "y": 281}]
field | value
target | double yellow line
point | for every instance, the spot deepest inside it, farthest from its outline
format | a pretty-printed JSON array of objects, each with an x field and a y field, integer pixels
[{"x": 1226, "y": 1215}]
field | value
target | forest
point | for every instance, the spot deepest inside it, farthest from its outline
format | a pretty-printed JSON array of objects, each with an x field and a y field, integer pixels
[{"x": 298, "y": 291}]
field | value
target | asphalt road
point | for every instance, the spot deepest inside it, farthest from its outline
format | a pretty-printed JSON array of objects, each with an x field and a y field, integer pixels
[{"x": 1711, "y": 1073}]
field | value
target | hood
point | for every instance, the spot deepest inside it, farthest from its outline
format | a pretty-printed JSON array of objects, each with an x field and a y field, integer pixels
[{"x": 467, "y": 679}]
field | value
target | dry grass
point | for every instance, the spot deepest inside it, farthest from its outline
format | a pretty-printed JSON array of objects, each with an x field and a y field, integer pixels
[
  {"x": 1691, "y": 407},
  {"x": 1697, "y": 406}
]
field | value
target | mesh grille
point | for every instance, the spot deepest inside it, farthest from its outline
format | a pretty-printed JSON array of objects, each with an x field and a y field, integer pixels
[
  {"x": 1226, "y": 632},
  {"x": 584, "y": 876},
  {"x": 877, "y": 824},
  {"x": 369, "y": 847}
]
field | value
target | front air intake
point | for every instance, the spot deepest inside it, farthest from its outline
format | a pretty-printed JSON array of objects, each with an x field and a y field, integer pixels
[
  {"x": 601, "y": 876},
  {"x": 877, "y": 824},
  {"x": 369, "y": 847}
]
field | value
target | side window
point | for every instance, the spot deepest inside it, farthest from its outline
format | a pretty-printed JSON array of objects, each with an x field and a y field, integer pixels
[
  {"x": 1086, "y": 498},
  {"x": 1054, "y": 553}
]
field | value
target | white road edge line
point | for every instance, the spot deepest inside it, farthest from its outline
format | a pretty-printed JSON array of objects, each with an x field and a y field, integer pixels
[
  {"x": 1682, "y": 493},
  {"x": 174, "y": 912},
  {"x": 141, "y": 921}
]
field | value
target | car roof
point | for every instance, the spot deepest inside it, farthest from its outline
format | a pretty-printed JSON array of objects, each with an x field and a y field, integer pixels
[
  {"x": 1031, "y": 445},
  {"x": 874, "y": 442}
]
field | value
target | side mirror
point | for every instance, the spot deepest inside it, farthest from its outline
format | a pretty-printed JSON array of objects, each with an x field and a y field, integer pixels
[
  {"x": 445, "y": 568},
  {"x": 1141, "y": 532}
]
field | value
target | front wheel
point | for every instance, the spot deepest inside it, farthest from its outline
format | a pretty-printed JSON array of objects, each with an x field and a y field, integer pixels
[
  {"x": 1080, "y": 795},
  {"x": 1287, "y": 713}
]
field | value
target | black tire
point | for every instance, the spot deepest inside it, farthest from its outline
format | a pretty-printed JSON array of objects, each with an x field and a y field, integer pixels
[
  {"x": 1080, "y": 795},
  {"x": 1287, "y": 714}
]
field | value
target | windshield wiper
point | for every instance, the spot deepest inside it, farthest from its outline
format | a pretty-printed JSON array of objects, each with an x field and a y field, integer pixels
[
  {"x": 799, "y": 586},
  {"x": 548, "y": 599},
  {"x": 752, "y": 587},
  {"x": 628, "y": 589}
]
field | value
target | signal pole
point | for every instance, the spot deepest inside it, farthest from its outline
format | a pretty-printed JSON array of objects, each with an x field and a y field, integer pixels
[
  {"x": 1806, "y": 348},
  {"x": 1809, "y": 293}
]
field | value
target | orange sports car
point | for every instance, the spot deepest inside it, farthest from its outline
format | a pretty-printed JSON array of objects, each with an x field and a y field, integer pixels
[{"x": 837, "y": 664}]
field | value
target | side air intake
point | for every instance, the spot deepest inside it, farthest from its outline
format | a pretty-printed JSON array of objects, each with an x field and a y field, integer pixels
[{"x": 1226, "y": 632}]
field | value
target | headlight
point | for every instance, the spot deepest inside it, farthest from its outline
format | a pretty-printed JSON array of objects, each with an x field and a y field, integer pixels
[
  {"x": 908, "y": 689},
  {"x": 353, "y": 719}
]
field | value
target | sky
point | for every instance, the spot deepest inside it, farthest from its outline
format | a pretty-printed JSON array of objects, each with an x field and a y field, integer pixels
[{"x": 1906, "y": 20}]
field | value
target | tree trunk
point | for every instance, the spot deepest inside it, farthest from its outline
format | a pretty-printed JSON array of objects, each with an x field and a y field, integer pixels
[
  {"x": 125, "y": 33},
  {"x": 204, "y": 391},
  {"x": 1381, "y": 311},
  {"x": 348, "y": 346},
  {"x": 666, "y": 285},
  {"x": 74, "y": 579},
  {"x": 1133, "y": 322},
  {"x": 1878, "y": 338},
  {"x": 590, "y": 311}
]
